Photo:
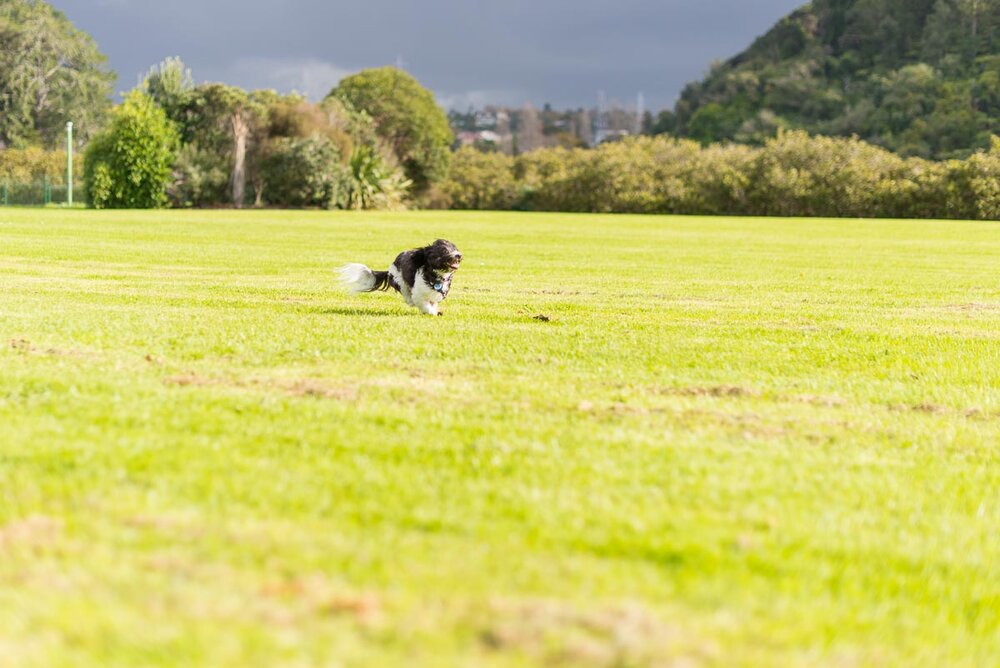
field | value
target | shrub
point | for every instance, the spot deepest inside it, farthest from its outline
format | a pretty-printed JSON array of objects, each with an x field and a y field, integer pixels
[
  {"x": 481, "y": 181},
  {"x": 198, "y": 178},
  {"x": 129, "y": 164},
  {"x": 544, "y": 179},
  {"x": 31, "y": 165},
  {"x": 373, "y": 184},
  {"x": 799, "y": 175},
  {"x": 304, "y": 172},
  {"x": 792, "y": 174},
  {"x": 100, "y": 186},
  {"x": 716, "y": 180}
]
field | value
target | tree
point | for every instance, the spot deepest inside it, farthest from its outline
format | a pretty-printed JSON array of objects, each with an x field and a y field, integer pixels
[
  {"x": 406, "y": 117},
  {"x": 171, "y": 85},
  {"x": 128, "y": 166},
  {"x": 221, "y": 120},
  {"x": 503, "y": 130},
  {"x": 585, "y": 127},
  {"x": 714, "y": 122},
  {"x": 956, "y": 128},
  {"x": 529, "y": 130},
  {"x": 909, "y": 94},
  {"x": 50, "y": 73},
  {"x": 943, "y": 32},
  {"x": 665, "y": 123}
]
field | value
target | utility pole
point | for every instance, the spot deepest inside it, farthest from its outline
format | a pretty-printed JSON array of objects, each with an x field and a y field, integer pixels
[
  {"x": 640, "y": 112},
  {"x": 601, "y": 127},
  {"x": 69, "y": 163}
]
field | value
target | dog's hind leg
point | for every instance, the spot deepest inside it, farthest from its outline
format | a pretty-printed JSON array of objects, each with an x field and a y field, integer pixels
[{"x": 396, "y": 281}]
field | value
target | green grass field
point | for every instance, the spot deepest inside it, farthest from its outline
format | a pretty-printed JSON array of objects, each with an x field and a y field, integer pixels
[{"x": 631, "y": 441}]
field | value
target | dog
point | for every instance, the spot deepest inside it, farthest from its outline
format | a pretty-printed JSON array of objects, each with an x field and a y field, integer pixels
[{"x": 422, "y": 275}]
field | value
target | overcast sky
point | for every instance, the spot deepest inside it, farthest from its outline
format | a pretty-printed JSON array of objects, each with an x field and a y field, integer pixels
[{"x": 507, "y": 51}]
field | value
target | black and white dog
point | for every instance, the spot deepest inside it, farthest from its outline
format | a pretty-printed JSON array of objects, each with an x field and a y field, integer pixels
[{"x": 422, "y": 275}]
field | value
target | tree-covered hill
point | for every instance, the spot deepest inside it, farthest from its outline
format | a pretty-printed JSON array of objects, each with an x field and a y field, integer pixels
[{"x": 921, "y": 77}]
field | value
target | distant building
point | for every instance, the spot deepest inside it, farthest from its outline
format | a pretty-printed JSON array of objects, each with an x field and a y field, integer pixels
[
  {"x": 486, "y": 119},
  {"x": 604, "y": 135},
  {"x": 471, "y": 138}
]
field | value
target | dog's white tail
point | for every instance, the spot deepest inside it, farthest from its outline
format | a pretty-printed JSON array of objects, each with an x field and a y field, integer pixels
[{"x": 357, "y": 278}]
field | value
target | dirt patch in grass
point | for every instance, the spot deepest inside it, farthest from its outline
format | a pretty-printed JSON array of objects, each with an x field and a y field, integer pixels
[
  {"x": 531, "y": 313},
  {"x": 744, "y": 392},
  {"x": 163, "y": 523},
  {"x": 312, "y": 388},
  {"x": 318, "y": 595},
  {"x": 717, "y": 391},
  {"x": 821, "y": 401},
  {"x": 750, "y": 426},
  {"x": 25, "y": 347},
  {"x": 567, "y": 293},
  {"x": 193, "y": 379},
  {"x": 558, "y": 634},
  {"x": 928, "y": 408},
  {"x": 970, "y": 309},
  {"x": 620, "y": 408},
  {"x": 32, "y": 532},
  {"x": 417, "y": 386},
  {"x": 294, "y": 387},
  {"x": 975, "y": 307},
  {"x": 413, "y": 386},
  {"x": 980, "y": 414},
  {"x": 21, "y": 345}
]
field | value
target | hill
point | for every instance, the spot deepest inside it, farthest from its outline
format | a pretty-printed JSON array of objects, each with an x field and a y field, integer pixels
[{"x": 920, "y": 77}]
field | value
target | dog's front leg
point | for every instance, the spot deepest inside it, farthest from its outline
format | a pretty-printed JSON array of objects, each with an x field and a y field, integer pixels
[{"x": 428, "y": 308}]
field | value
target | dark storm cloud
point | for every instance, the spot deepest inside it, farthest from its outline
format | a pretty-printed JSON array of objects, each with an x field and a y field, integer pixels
[{"x": 511, "y": 52}]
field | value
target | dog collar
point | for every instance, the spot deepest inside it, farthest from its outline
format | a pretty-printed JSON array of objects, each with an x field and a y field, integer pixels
[{"x": 439, "y": 283}]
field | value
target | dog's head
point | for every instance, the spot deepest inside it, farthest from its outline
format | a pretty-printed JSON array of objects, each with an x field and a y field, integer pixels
[{"x": 443, "y": 257}]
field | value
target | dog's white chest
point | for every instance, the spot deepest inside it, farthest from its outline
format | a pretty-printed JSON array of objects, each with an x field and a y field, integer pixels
[
  {"x": 423, "y": 290},
  {"x": 424, "y": 296}
]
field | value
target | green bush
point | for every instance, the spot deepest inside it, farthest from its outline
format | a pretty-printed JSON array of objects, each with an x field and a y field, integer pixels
[
  {"x": 799, "y": 175},
  {"x": 481, "y": 181},
  {"x": 199, "y": 179},
  {"x": 373, "y": 184},
  {"x": 304, "y": 172},
  {"x": 100, "y": 186},
  {"x": 129, "y": 165},
  {"x": 543, "y": 177},
  {"x": 983, "y": 174}
]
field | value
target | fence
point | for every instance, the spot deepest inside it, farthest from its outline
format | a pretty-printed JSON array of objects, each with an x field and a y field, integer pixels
[{"x": 39, "y": 193}]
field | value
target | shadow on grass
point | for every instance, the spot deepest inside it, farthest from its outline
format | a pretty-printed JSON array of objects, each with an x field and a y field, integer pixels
[{"x": 360, "y": 310}]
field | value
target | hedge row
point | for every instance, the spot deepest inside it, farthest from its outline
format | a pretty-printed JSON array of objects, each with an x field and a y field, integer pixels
[
  {"x": 35, "y": 165},
  {"x": 794, "y": 174}
]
